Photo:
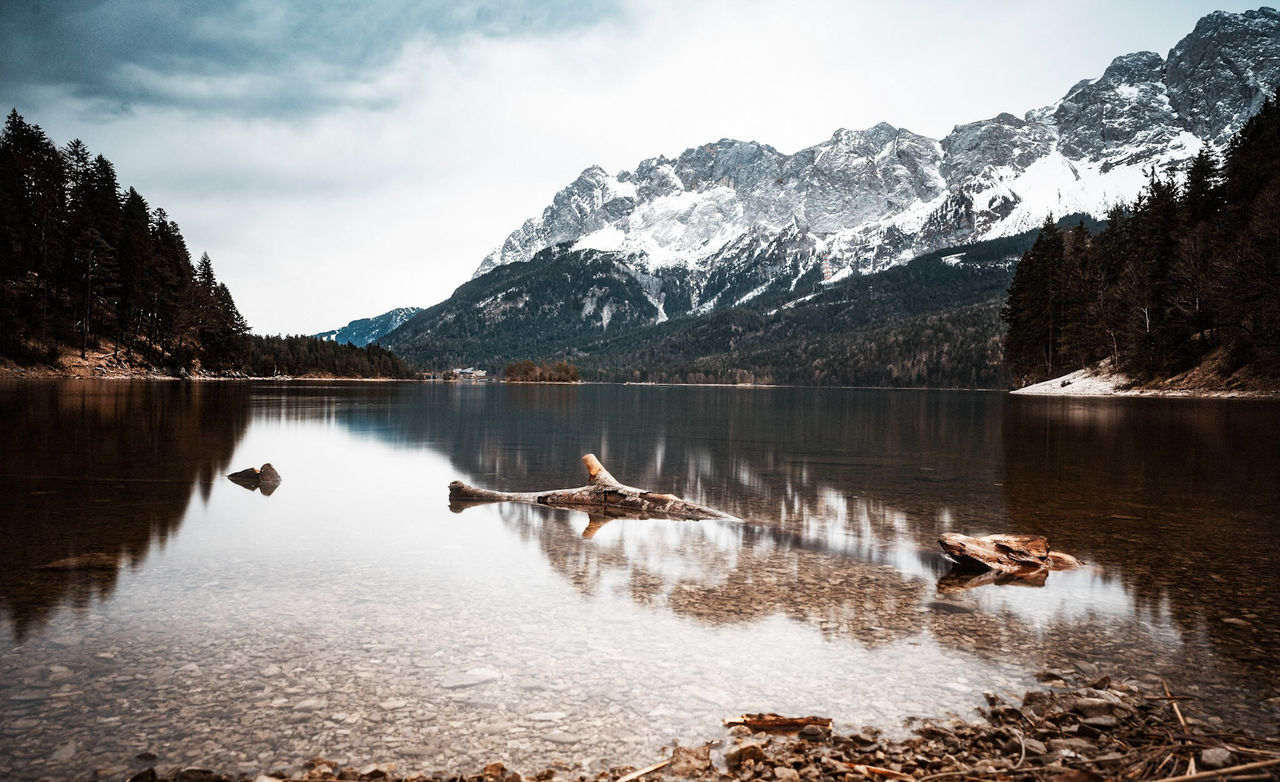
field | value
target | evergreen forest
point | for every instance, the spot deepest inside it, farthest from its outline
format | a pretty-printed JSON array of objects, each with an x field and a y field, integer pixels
[
  {"x": 91, "y": 267},
  {"x": 1185, "y": 281}
]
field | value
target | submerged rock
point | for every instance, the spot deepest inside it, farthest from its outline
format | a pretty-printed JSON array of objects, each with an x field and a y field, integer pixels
[
  {"x": 469, "y": 678},
  {"x": 268, "y": 474},
  {"x": 265, "y": 479},
  {"x": 97, "y": 561}
]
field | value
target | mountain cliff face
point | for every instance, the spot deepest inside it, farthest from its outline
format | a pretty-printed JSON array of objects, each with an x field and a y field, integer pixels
[
  {"x": 883, "y": 195},
  {"x": 729, "y": 221},
  {"x": 365, "y": 330}
]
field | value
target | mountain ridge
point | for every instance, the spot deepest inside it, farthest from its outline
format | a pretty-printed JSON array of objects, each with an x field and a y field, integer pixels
[
  {"x": 734, "y": 224},
  {"x": 362, "y": 331},
  {"x": 884, "y": 194}
]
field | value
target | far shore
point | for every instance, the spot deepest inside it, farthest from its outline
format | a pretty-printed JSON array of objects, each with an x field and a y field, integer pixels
[
  {"x": 1091, "y": 382},
  {"x": 1081, "y": 384}
]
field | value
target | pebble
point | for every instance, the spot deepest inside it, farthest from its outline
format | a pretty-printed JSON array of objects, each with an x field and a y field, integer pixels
[
  {"x": 471, "y": 678},
  {"x": 558, "y": 737},
  {"x": 1216, "y": 757},
  {"x": 65, "y": 752},
  {"x": 548, "y": 716}
]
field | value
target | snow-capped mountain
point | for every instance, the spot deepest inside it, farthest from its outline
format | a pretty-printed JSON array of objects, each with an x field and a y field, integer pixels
[
  {"x": 867, "y": 199},
  {"x": 365, "y": 330}
]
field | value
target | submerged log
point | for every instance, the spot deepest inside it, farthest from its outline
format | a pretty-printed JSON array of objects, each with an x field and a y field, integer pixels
[
  {"x": 959, "y": 579},
  {"x": 776, "y": 722},
  {"x": 1019, "y": 555},
  {"x": 601, "y": 491}
]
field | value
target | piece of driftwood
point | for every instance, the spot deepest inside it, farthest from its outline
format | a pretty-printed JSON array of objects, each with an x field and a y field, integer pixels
[
  {"x": 961, "y": 579},
  {"x": 875, "y": 771},
  {"x": 634, "y": 775},
  {"x": 602, "y": 491},
  {"x": 1015, "y": 554},
  {"x": 776, "y": 722}
]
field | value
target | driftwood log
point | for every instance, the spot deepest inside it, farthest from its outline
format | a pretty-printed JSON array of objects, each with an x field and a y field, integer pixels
[
  {"x": 960, "y": 579},
  {"x": 602, "y": 491},
  {"x": 776, "y": 722},
  {"x": 1017, "y": 555}
]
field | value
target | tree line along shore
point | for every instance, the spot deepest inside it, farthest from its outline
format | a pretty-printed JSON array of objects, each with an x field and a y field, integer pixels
[
  {"x": 1178, "y": 292},
  {"x": 95, "y": 281}
]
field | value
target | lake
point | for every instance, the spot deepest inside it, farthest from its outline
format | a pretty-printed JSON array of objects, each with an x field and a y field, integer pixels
[{"x": 352, "y": 614}]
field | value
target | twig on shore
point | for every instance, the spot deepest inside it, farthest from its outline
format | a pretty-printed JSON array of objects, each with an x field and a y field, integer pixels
[
  {"x": 1023, "y": 754},
  {"x": 1223, "y": 772},
  {"x": 1177, "y": 711},
  {"x": 1233, "y": 748},
  {"x": 634, "y": 775}
]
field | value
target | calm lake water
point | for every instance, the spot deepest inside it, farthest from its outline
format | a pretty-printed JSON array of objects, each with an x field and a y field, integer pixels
[{"x": 352, "y": 614}]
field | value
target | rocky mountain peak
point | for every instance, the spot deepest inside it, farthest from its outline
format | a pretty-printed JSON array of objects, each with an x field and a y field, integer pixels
[
  {"x": 1219, "y": 75},
  {"x": 1123, "y": 117},
  {"x": 726, "y": 162},
  {"x": 1135, "y": 68},
  {"x": 881, "y": 195}
]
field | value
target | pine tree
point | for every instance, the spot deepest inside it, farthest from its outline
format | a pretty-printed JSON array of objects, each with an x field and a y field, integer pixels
[
  {"x": 36, "y": 230},
  {"x": 204, "y": 272},
  {"x": 1033, "y": 307}
]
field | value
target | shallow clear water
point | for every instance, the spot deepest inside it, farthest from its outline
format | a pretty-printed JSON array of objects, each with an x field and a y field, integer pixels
[{"x": 352, "y": 614}]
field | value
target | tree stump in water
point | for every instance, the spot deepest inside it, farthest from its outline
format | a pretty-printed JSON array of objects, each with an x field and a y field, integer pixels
[
  {"x": 1020, "y": 555},
  {"x": 601, "y": 491}
]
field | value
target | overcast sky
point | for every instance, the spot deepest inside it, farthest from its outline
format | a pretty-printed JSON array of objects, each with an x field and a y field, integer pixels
[{"x": 339, "y": 159}]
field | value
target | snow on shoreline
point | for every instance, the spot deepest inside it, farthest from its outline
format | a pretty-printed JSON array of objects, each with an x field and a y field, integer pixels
[
  {"x": 1090, "y": 381},
  {"x": 1101, "y": 380}
]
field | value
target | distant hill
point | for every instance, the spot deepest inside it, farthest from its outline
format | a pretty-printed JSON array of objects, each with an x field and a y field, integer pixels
[
  {"x": 365, "y": 330},
  {"x": 932, "y": 322}
]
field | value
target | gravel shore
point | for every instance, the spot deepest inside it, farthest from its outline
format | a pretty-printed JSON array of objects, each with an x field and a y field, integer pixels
[{"x": 1071, "y": 731}]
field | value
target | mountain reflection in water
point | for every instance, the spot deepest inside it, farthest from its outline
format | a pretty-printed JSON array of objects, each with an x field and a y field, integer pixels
[
  {"x": 348, "y": 605},
  {"x": 1170, "y": 501}
]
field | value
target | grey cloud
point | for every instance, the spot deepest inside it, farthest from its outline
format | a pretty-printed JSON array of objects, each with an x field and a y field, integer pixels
[{"x": 247, "y": 56}]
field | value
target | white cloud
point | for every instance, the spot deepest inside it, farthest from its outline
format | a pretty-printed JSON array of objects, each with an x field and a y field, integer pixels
[{"x": 351, "y": 211}]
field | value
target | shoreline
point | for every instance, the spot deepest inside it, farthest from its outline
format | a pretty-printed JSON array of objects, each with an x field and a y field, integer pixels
[
  {"x": 1072, "y": 729},
  {"x": 1092, "y": 383},
  {"x": 1064, "y": 387},
  {"x": 1096, "y": 382}
]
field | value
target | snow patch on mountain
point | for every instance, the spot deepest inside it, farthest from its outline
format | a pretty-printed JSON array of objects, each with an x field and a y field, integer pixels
[
  {"x": 743, "y": 217},
  {"x": 365, "y": 330}
]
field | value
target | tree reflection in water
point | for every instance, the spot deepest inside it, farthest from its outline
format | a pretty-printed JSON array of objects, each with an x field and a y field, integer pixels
[{"x": 101, "y": 467}]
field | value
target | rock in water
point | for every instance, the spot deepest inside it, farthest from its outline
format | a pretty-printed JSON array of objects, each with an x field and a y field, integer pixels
[
  {"x": 246, "y": 478},
  {"x": 471, "y": 678},
  {"x": 268, "y": 474},
  {"x": 266, "y": 479}
]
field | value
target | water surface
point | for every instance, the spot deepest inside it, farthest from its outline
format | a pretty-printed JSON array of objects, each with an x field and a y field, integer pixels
[{"x": 351, "y": 614}]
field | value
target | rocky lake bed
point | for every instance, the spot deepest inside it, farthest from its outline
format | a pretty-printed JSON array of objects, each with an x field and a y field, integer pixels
[{"x": 1068, "y": 730}]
